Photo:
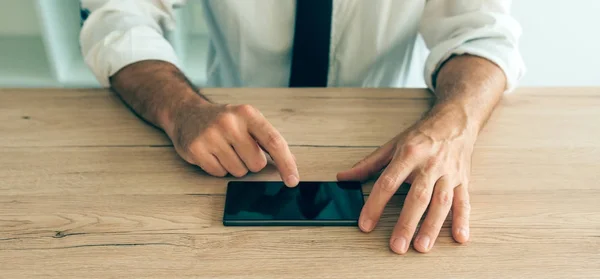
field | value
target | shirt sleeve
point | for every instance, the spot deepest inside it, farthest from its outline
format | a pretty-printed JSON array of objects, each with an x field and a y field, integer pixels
[
  {"x": 478, "y": 27},
  {"x": 116, "y": 33}
]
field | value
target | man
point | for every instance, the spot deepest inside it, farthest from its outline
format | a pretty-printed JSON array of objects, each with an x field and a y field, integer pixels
[{"x": 473, "y": 61}]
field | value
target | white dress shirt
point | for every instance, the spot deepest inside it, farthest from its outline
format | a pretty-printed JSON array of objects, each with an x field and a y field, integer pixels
[{"x": 373, "y": 42}]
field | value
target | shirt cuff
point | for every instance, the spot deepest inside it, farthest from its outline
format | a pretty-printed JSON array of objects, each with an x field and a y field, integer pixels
[
  {"x": 121, "y": 48},
  {"x": 497, "y": 50}
]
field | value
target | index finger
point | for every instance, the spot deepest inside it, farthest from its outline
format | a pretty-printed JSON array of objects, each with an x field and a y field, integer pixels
[
  {"x": 272, "y": 141},
  {"x": 386, "y": 185}
]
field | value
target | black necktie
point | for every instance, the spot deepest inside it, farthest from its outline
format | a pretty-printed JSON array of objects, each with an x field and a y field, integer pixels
[{"x": 310, "y": 52}]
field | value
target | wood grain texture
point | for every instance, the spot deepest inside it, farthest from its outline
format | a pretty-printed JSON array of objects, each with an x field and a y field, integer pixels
[
  {"x": 340, "y": 117},
  {"x": 89, "y": 191},
  {"x": 182, "y": 234},
  {"x": 158, "y": 170}
]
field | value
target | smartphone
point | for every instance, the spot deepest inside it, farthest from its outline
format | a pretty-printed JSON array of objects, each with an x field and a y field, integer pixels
[{"x": 311, "y": 203}]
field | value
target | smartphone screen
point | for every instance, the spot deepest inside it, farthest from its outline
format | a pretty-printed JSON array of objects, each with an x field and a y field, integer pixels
[{"x": 271, "y": 203}]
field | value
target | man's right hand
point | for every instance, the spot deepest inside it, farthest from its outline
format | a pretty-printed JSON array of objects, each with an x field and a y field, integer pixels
[
  {"x": 232, "y": 139},
  {"x": 220, "y": 139}
]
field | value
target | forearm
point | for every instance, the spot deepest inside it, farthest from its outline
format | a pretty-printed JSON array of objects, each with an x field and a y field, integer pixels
[
  {"x": 468, "y": 88},
  {"x": 154, "y": 90}
]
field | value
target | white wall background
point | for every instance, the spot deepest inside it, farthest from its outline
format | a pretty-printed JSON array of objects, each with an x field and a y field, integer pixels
[
  {"x": 560, "y": 43},
  {"x": 12, "y": 13}
]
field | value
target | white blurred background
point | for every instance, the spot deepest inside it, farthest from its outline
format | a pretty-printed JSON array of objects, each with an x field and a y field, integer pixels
[{"x": 39, "y": 43}]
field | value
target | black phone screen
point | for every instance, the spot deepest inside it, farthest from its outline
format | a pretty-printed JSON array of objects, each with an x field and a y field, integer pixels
[{"x": 268, "y": 203}]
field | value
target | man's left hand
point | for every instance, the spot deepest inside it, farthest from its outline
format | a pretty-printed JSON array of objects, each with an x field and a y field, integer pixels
[{"x": 434, "y": 155}]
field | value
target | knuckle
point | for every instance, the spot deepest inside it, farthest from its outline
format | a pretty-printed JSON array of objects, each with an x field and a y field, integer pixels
[
  {"x": 226, "y": 120},
  {"x": 246, "y": 110},
  {"x": 387, "y": 184},
  {"x": 432, "y": 164},
  {"x": 429, "y": 227},
  {"x": 194, "y": 148},
  {"x": 464, "y": 205},
  {"x": 275, "y": 141},
  {"x": 403, "y": 164},
  {"x": 443, "y": 197},
  {"x": 258, "y": 165},
  {"x": 411, "y": 150},
  {"x": 422, "y": 195},
  {"x": 406, "y": 229}
]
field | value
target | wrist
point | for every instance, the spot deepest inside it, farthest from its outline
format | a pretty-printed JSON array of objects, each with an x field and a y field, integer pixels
[
  {"x": 180, "y": 103},
  {"x": 452, "y": 119},
  {"x": 156, "y": 90},
  {"x": 471, "y": 86}
]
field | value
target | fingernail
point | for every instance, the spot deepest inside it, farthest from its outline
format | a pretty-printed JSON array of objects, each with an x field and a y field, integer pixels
[
  {"x": 292, "y": 180},
  {"x": 367, "y": 225},
  {"x": 464, "y": 233},
  {"x": 399, "y": 245},
  {"x": 424, "y": 241}
]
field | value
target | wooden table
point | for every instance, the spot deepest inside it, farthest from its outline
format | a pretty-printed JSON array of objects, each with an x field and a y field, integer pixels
[{"x": 87, "y": 190}]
